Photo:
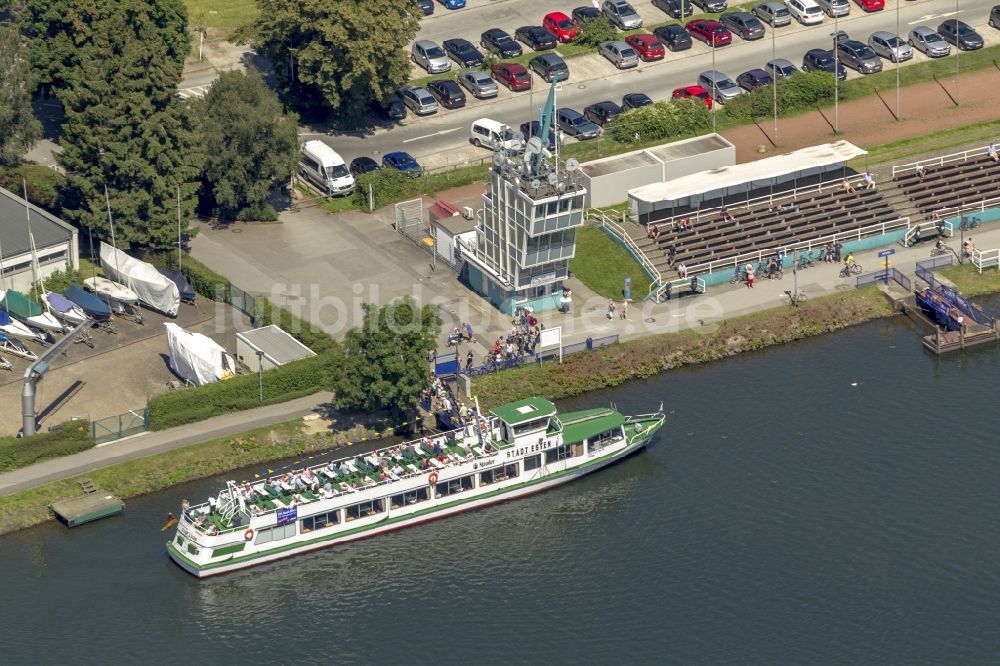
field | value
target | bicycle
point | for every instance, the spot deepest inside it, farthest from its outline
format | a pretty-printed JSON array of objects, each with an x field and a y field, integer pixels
[
  {"x": 938, "y": 251},
  {"x": 796, "y": 298},
  {"x": 969, "y": 223},
  {"x": 738, "y": 276},
  {"x": 848, "y": 271},
  {"x": 805, "y": 261}
]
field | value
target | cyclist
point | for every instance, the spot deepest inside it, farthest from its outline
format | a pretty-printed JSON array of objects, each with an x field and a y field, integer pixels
[
  {"x": 967, "y": 247},
  {"x": 941, "y": 245},
  {"x": 848, "y": 262}
]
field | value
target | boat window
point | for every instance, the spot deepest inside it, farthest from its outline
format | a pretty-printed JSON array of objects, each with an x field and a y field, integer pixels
[
  {"x": 453, "y": 486},
  {"x": 558, "y": 453},
  {"x": 501, "y": 473},
  {"x": 320, "y": 521},
  {"x": 533, "y": 462},
  {"x": 365, "y": 509},
  {"x": 531, "y": 426},
  {"x": 418, "y": 495},
  {"x": 604, "y": 439},
  {"x": 269, "y": 534}
]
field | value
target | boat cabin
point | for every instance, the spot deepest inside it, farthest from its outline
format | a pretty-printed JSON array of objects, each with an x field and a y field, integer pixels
[{"x": 525, "y": 421}]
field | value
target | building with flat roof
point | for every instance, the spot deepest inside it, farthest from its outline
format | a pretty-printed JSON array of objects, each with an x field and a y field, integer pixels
[
  {"x": 55, "y": 243},
  {"x": 269, "y": 347}
]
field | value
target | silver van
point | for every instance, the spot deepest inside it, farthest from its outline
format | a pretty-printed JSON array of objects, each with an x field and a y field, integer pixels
[
  {"x": 430, "y": 56},
  {"x": 487, "y": 133},
  {"x": 322, "y": 166},
  {"x": 719, "y": 86}
]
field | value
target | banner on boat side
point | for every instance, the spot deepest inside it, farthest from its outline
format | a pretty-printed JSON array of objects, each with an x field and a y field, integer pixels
[{"x": 288, "y": 515}]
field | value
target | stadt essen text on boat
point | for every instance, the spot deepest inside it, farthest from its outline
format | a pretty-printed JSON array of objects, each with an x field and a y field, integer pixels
[{"x": 521, "y": 448}]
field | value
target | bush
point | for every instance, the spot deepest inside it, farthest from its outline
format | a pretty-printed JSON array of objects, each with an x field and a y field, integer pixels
[
  {"x": 661, "y": 120},
  {"x": 388, "y": 186},
  {"x": 594, "y": 31},
  {"x": 802, "y": 91},
  {"x": 71, "y": 437},
  {"x": 257, "y": 213},
  {"x": 59, "y": 281},
  {"x": 197, "y": 403}
]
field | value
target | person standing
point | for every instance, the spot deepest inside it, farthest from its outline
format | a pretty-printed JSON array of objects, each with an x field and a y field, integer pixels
[
  {"x": 611, "y": 309},
  {"x": 750, "y": 276},
  {"x": 624, "y": 309}
]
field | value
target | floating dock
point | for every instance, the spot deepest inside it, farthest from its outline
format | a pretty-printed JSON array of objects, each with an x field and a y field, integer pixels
[
  {"x": 93, "y": 505},
  {"x": 942, "y": 342}
]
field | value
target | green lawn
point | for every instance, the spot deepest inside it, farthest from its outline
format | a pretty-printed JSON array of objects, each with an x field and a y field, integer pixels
[
  {"x": 602, "y": 265},
  {"x": 222, "y": 15},
  {"x": 969, "y": 281}
]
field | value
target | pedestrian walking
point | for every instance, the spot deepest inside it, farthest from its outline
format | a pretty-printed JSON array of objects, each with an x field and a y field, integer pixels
[
  {"x": 624, "y": 309},
  {"x": 750, "y": 276}
]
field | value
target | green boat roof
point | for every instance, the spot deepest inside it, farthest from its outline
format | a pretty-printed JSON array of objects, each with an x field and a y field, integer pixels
[
  {"x": 577, "y": 426},
  {"x": 525, "y": 410},
  {"x": 20, "y": 305}
]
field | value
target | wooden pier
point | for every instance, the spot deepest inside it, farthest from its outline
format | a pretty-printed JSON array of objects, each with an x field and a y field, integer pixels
[
  {"x": 93, "y": 505},
  {"x": 942, "y": 342}
]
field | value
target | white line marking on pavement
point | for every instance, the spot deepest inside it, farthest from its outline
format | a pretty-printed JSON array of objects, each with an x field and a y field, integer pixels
[
  {"x": 931, "y": 17},
  {"x": 428, "y": 136}
]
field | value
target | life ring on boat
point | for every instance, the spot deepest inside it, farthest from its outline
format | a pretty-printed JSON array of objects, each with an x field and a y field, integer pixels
[
  {"x": 248, "y": 535},
  {"x": 433, "y": 478}
]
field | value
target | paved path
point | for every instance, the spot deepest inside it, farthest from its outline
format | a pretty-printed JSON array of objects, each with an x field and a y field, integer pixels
[{"x": 151, "y": 443}]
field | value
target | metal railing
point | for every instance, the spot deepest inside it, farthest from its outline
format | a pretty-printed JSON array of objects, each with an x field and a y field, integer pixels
[
  {"x": 901, "y": 279},
  {"x": 920, "y": 227},
  {"x": 873, "y": 277},
  {"x": 589, "y": 344},
  {"x": 115, "y": 427},
  {"x": 985, "y": 259},
  {"x": 600, "y": 217},
  {"x": 978, "y": 206},
  {"x": 926, "y": 267},
  {"x": 939, "y": 161},
  {"x": 802, "y": 246},
  {"x": 693, "y": 284}
]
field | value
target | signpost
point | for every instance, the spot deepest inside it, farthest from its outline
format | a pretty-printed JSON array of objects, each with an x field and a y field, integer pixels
[{"x": 885, "y": 254}]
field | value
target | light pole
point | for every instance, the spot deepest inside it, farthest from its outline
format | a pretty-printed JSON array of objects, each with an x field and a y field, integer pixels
[
  {"x": 260, "y": 373},
  {"x": 957, "y": 51},
  {"x": 715, "y": 87},
  {"x": 836, "y": 76},
  {"x": 774, "y": 84}
]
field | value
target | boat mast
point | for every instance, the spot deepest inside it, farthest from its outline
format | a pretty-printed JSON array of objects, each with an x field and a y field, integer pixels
[
  {"x": 178, "y": 227},
  {"x": 111, "y": 221},
  {"x": 31, "y": 242}
]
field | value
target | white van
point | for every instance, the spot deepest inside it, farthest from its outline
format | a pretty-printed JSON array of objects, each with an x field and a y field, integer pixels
[
  {"x": 323, "y": 167},
  {"x": 491, "y": 134},
  {"x": 806, "y": 11}
]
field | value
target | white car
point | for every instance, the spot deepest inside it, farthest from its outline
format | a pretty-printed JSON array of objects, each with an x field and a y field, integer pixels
[{"x": 806, "y": 12}]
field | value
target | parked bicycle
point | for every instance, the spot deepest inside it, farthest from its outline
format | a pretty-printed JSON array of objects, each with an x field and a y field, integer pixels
[
  {"x": 848, "y": 271},
  {"x": 969, "y": 223},
  {"x": 797, "y": 297},
  {"x": 805, "y": 261},
  {"x": 739, "y": 275}
]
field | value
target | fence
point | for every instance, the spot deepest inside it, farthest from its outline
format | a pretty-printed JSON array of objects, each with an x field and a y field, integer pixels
[
  {"x": 985, "y": 259},
  {"x": 940, "y": 161},
  {"x": 976, "y": 206},
  {"x": 243, "y": 301},
  {"x": 617, "y": 231},
  {"x": 901, "y": 279},
  {"x": 115, "y": 427},
  {"x": 926, "y": 267},
  {"x": 590, "y": 344},
  {"x": 873, "y": 277}
]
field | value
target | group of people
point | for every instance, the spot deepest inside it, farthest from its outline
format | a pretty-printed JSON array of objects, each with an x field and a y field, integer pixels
[{"x": 612, "y": 307}]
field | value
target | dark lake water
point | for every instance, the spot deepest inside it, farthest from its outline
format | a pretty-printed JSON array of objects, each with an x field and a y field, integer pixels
[{"x": 830, "y": 501}]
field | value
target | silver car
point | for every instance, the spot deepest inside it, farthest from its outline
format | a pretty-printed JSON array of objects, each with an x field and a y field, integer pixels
[
  {"x": 835, "y": 8},
  {"x": 430, "y": 56},
  {"x": 719, "y": 86},
  {"x": 479, "y": 83},
  {"x": 775, "y": 14},
  {"x": 620, "y": 54},
  {"x": 418, "y": 100},
  {"x": 929, "y": 42},
  {"x": 889, "y": 46},
  {"x": 780, "y": 69},
  {"x": 622, "y": 14}
]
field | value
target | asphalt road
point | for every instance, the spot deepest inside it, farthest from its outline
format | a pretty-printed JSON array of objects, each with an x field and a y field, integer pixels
[{"x": 443, "y": 138}]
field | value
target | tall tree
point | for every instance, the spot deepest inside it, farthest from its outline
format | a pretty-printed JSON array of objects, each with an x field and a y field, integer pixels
[
  {"x": 251, "y": 145},
  {"x": 125, "y": 130},
  {"x": 19, "y": 129},
  {"x": 384, "y": 363},
  {"x": 346, "y": 51},
  {"x": 66, "y": 33}
]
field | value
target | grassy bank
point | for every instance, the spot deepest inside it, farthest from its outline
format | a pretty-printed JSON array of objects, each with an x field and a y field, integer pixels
[
  {"x": 638, "y": 359},
  {"x": 969, "y": 281},
  {"x": 603, "y": 265},
  {"x": 147, "y": 475}
]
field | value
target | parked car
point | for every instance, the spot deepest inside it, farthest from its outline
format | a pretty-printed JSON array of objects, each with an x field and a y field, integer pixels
[
  {"x": 533, "y": 128},
  {"x": 821, "y": 60},
  {"x": 478, "y": 83},
  {"x": 588, "y": 13},
  {"x": 839, "y": 36},
  {"x": 635, "y": 101},
  {"x": 426, "y": 6},
  {"x": 835, "y": 8},
  {"x": 960, "y": 34},
  {"x": 744, "y": 24},
  {"x": 360, "y": 165},
  {"x": 621, "y": 14},
  {"x": 775, "y": 14},
  {"x": 574, "y": 123},
  {"x": 806, "y": 12},
  {"x": 647, "y": 46},
  {"x": 392, "y": 108},
  {"x": 492, "y": 134},
  {"x": 512, "y": 75},
  {"x": 677, "y": 9},
  {"x": 453, "y": 4},
  {"x": 401, "y": 161},
  {"x": 537, "y": 37},
  {"x": 719, "y": 86},
  {"x": 858, "y": 55},
  {"x": 463, "y": 52},
  {"x": 692, "y": 91},
  {"x": 499, "y": 42},
  {"x": 995, "y": 17},
  {"x": 889, "y": 46},
  {"x": 711, "y": 32},
  {"x": 447, "y": 93},
  {"x": 418, "y": 100},
  {"x": 871, "y": 5},
  {"x": 550, "y": 67},
  {"x": 620, "y": 54},
  {"x": 753, "y": 79},
  {"x": 929, "y": 42},
  {"x": 560, "y": 25},
  {"x": 430, "y": 56},
  {"x": 780, "y": 69},
  {"x": 602, "y": 113},
  {"x": 711, "y": 6},
  {"x": 674, "y": 36}
]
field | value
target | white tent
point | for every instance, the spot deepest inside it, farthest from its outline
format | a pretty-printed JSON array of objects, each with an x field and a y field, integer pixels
[
  {"x": 152, "y": 288},
  {"x": 197, "y": 358}
]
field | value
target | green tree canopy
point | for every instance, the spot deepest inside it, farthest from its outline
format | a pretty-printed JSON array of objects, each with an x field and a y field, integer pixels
[
  {"x": 19, "y": 129},
  {"x": 594, "y": 31},
  {"x": 661, "y": 120},
  {"x": 66, "y": 33},
  {"x": 384, "y": 362},
  {"x": 251, "y": 145},
  {"x": 346, "y": 51}
]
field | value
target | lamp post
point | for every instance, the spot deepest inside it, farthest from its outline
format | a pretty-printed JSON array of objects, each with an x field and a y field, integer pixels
[
  {"x": 715, "y": 87},
  {"x": 836, "y": 76},
  {"x": 899, "y": 46},
  {"x": 957, "y": 51},
  {"x": 774, "y": 85},
  {"x": 260, "y": 373}
]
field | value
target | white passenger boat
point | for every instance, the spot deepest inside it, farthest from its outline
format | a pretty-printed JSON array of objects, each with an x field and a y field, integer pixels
[{"x": 523, "y": 447}]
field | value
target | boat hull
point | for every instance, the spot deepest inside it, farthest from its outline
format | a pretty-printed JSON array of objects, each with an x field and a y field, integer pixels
[{"x": 389, "y": 525}]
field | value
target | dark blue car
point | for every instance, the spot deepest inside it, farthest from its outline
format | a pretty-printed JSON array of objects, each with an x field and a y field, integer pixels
[
  {"x": 453, "y": 4},
  {"x": 531, "y": 129},
  {"x": 426, "y": 6},
  {"x": 401, "y": 161}
]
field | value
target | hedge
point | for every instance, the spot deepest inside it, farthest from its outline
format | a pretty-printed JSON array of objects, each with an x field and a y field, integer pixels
[
  {"x": 661, "y": 120},
  {"x": 798, "y": 92},
  {"x": 71, "y": 437},
  {"x": 197, "y": 403}
]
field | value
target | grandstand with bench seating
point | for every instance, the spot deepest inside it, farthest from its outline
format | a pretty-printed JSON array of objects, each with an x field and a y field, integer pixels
[{"x": 970, "y": 176}]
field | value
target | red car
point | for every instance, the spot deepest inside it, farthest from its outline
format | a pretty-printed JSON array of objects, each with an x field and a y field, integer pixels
[
  {"x": 560, "y": 25},
  {"x": 712, "y": 33},
  {"x": 693, "y": 91},
  {"x": 512, "y": 75},
  {"x": 647, "y": 46},
  {"x": 871, "y": 5}
]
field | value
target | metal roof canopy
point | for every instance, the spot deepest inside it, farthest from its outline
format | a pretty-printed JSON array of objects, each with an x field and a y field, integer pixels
[
  {"x": 278, "y": 346},
  {"x": 748, "y": 172}
]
